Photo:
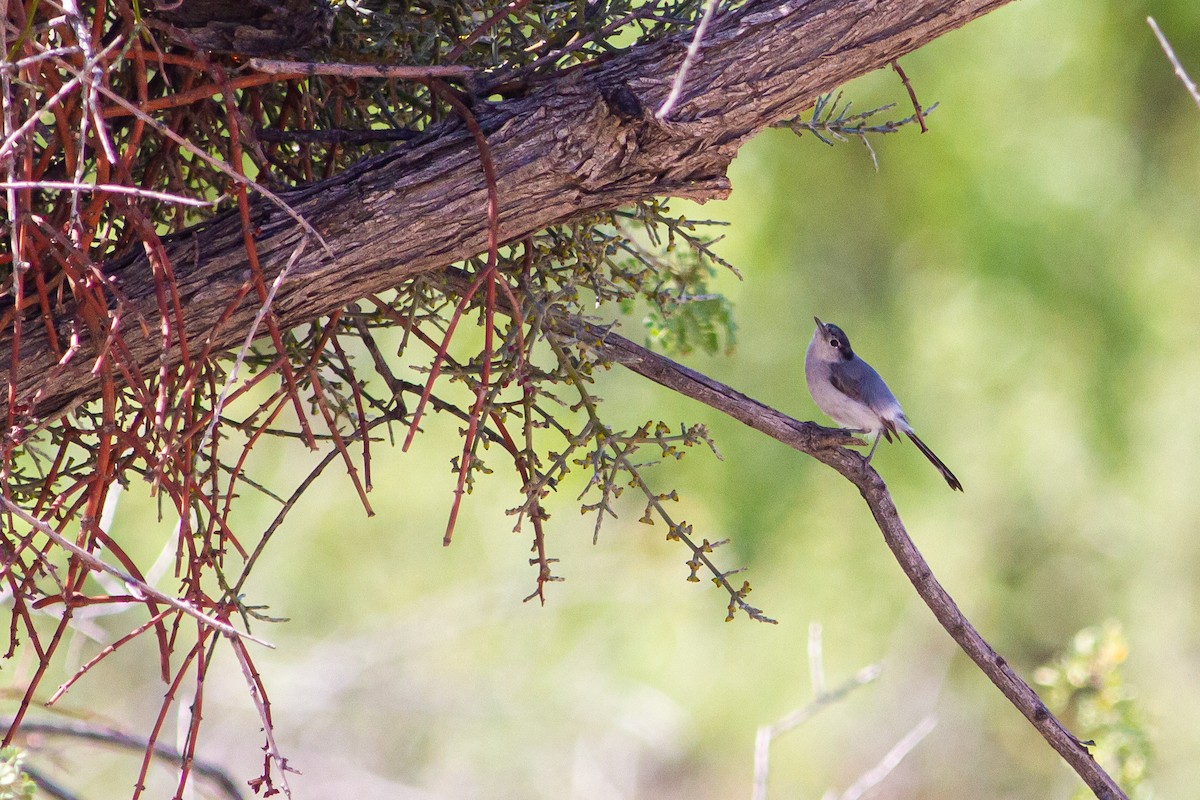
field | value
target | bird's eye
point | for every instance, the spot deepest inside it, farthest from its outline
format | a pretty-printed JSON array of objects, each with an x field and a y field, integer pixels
[{"x": 834, "y": 343}]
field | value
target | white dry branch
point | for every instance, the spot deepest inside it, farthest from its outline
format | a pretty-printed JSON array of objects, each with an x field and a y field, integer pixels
[
  {"x": 1188, "y": 83},
  {"x": 821, "y": 699},
  {"x": 668, "y": 105},
  {"x": 112, "y": 188},
  {"x": 876, "y": 774}
]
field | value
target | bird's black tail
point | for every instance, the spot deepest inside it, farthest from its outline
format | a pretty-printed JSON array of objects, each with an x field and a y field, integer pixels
[{"x": 937, "y": 462}]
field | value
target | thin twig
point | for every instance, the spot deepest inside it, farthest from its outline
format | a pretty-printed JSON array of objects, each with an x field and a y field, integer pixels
[
  {"x": 395, "y": 71},
  {"x": 66, "y": 89},
  {"x": 251, "y": 333},
  {"x": 111, "y": 736},
  {"x": 912, "y": 95},
  {"x": 111, "y": 188},
  {"x": 820, "y": 701},
  {"x": 668, "y": 105},
  {"x": 258, "y": 695},
  {"x": 220, "y": 166},
  {"x": 483, "y": 27},
  {"x": 818, "y": 442},
  {"x": 1190, "y": 84},
  {"x": 95, "y": 563},
  {"x": 891, "y": 759}
]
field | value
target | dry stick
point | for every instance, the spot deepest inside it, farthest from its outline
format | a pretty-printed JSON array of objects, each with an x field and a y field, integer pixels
[
  {"x": 111, "y": 188},
  {"x": 876, "y": 775},
  {"x": 820, "y": 701},
  {"x": 258, "y": 694},
  {"x": 912, "y": 95},
  {"x": 97, "y": 733},
  {"x": 1188, "y": 83},
  {"x": 813, "y": 439},
  {"x": 95, "y": 563},
  {"x": 399, "y": 72},
  {"x": 34, "y": 119},
  {"x": 668, "y": 105}
]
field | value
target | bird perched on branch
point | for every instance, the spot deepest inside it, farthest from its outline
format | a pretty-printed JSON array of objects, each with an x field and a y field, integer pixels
[{"x": 851, "y": 392}]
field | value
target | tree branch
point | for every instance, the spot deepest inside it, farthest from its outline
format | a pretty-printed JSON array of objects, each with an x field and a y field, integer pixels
[
  {"x": 561, "y": 151},
  {"x": 808, "y": 438},
  {"x": 78, "y": 729}
]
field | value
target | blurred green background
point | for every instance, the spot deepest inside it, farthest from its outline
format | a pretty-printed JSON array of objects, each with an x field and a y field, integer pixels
[{"x": 1027, "y": 277}]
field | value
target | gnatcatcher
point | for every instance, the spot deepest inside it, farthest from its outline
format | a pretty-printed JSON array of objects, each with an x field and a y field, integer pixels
[{"x": 847, "y": 389}]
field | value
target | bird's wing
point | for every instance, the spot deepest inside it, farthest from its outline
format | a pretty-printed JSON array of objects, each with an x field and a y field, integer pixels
[
  {"x": 859, "y": 381},
  {"x": 848, "y": 380}
]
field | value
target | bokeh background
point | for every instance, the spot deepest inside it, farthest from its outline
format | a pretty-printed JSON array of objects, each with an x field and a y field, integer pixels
[{"x": 1026, "y": 275}]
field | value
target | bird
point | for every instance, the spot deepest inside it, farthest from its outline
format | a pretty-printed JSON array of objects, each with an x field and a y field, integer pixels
[{"x": 853, "y": 394}]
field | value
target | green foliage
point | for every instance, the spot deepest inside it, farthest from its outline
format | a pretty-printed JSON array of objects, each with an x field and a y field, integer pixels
[
  {"x": 1085, "y": 688},
  {"x": 14, "y": 783},
  {"x": 700, "y": 320},
  {"x": 831, "y": 120},
  {"x": 686, "y": 315},
  {"x": 540, "y": 404}
]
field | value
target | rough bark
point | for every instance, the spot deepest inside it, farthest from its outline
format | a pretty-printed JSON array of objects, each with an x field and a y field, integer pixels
[{"x": 578, "y": 142}]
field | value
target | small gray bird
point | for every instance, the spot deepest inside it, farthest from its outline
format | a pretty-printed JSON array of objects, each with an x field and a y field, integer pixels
[{"x": 847, "y": 389}]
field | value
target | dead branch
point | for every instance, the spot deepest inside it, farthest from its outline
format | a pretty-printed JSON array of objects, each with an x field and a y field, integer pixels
[
  {"x": 75, "y": 729},
  {"x": 806, "y": 437},
  {"x": 1176, "y": 64},
  {"x": 93, "y": 562}
]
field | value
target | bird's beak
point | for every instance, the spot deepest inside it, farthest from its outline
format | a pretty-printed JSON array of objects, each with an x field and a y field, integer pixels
[{"x": 820, "y": 324}]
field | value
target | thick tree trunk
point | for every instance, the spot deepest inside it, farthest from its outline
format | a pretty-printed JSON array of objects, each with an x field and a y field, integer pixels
[{"x": 579, "y": 142}]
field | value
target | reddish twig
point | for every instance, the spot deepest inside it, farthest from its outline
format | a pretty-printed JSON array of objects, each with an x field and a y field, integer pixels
[
  {"x": 164, "y": 707},
  {"x": 488, "y": 275},
  {"x": 360, "y": 410},
  {"x": 205, "y": 92},
  {"x": 440, "y": 357},
  {"x": 107, "y": 651},
  {"x": 331, "y": 423},
  {"x": 471, "y": 38},
  {"x": 93, "y": 562},
  {"x": 912, "y": 95}
]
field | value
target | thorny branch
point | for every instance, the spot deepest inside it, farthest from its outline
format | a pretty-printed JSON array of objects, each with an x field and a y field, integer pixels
[{"x": 139, "y": 586}]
